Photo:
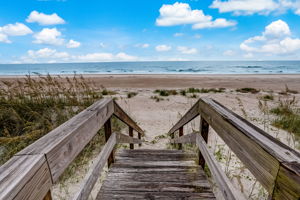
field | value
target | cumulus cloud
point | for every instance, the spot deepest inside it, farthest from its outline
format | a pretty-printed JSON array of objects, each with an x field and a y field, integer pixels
[
  {"x": 187, "y": 50},
  {"x": 249, "y": 7},
  {"x": 163, "y": 47},
  {"x": 274, "y": 40},
  {"x": 48, "y": 36},
  {"x": 104, "y": 57},
  {"x": 17, "y": 29},
  {"x": 181, "y": 14},
  {"x": 47, "y": 53},
  {"x": 73, "y": 44},
  {"x": 44, "y": 19}
]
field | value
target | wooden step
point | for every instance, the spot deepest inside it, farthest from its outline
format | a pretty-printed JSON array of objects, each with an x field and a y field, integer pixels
[{"x": 155, "y": 174}]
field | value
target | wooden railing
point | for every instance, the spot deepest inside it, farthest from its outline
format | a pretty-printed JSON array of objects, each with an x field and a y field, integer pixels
[
  {"x": 275, "y": 165},
  {"x": 31, "y": 172}
]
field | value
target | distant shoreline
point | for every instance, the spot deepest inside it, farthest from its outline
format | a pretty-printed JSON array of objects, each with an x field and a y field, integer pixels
[{"x": 274, "y": 82}]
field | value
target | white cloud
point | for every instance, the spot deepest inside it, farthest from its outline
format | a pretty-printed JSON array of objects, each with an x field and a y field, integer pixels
[
  {"x": 274, "y": 40},
  {"x": 47, "y": 53},
  {"x": 178, "y": 34},
  {"x": 48, "y": 36},
  {"x": 125, "y": 57},
  {"x": 144, "y": 46},
  {"x": 94, "y": 57},
  {"x": 181, "y": 13},
  {"x": 187, "y": 50},
  {"x": 163, "y": 47},
  {"x": 229, "y": 53},
  {"x": 73, "y": 44},
  {"x": 249, "y": 7},
  {"x": 16, "y": 29},
  {"x": 44, "y": 19},
  {"x": 218, "y": 23},
  {"x": 3, "y": 38}
]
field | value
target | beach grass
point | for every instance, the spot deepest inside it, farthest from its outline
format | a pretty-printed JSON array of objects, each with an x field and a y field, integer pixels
[{"x": 32, "y": 107}]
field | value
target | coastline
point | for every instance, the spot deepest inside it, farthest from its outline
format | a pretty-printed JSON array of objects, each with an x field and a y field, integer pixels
[{"x": 274, "y": 82}]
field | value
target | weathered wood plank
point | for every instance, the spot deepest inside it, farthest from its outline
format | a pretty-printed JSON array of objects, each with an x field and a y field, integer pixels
[
  {"x": 189, "y": 138},
  {"x": 156, "y": 164},
  {"x": 180, "y": 134},
  {"x": 189, "y": 116},
  {"x": 65, "y": 142},
  {"x": 121, "y": 138},
  {"x": 224, "y": 184},
  {"x": 131, "y": 145},
  {"x": 261, "y": 164},
  {"x": 204, "y": 128},
  {"x": 151, "y": 170},
  {"x": 287, "y": 185},
  {"x": 25, "y": 177},
  {"x": 121, "y": 114},
  {"x": 95, "y": 171},
  {"x": 152, "y": 151},
  {"x": 108, "y": 132},
  {"x": 108, "y": 195}
]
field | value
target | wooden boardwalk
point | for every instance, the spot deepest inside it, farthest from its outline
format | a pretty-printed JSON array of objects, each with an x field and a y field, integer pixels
[{"x": 155, "y": 174}]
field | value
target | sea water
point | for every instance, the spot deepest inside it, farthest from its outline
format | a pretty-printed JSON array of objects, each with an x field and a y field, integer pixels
[{"x": 182, "y": 67}]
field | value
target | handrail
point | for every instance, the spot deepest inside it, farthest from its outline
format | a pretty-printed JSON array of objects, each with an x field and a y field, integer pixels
[
  {"x": 31, "y": 172},
  {"x": 275, "y": 165}
]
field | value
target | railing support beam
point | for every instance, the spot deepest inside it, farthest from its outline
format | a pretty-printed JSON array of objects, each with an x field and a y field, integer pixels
[
  {"x": 140, "y": 138},
  {"x": 180, "y": 134},
  {"x": 107, "y": 130},
  {"x": 204, "y": 128},
  {"x": 131, "y": 135},
  {"x": 48, "y": 196}
]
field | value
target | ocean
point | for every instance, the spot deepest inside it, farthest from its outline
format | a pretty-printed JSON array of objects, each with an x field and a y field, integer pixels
[{"x": 182, "y": 67}]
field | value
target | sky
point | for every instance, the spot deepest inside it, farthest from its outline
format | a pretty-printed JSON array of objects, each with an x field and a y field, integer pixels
[{"x": 49, "y": 31}]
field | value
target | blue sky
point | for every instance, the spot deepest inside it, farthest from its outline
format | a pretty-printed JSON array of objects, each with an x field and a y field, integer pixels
[{"x": 42, "y": 31}]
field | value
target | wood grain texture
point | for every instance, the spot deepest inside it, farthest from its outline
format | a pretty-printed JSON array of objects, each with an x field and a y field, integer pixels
[
  {"x": 108, "y": 132},
  {"x": 25, "y": 177},
  {"x": 121, "y": 138},
  {"x": 124, "y": 117},
  {"x": 95, "y": 171},
  {"x": 189, "y": 115},
  {"x": 224, "y": 184},
  {"x": 65, "y": 142},
  {"x": 186, "y": 139},
  {"x": 204, "y": 128},
  {"x": 288, "y": 182},
  {"x": 261, "y": 153},
  {"x": 130, "y": 130},
  {"x": 132, "y": 177}
]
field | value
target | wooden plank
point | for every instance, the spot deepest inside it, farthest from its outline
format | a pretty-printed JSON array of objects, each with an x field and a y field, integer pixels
[
  {"x": 190, "y": 187},
  {"x": 259, "y": 152},
  {"x": 48, "y": 196},
  {"x": 287, "y": 183},
  {"x": 224, "y": 184},
  {"x": 190, "y": 139},
  {"x": 121, "y": 138},
  {"x": 65, "y": 142},
  {"x": 140, "y": 138},
  {"x": 95, "y": 171},
  {"x": 153, "y": 164},
  {"x": 121, "y": 115},
  {"x": 108, "y": 195},
  {"x": 152, "y": 151},
  {"x": 25, "y": 177},
  {"x": 151, "y": 170},
  {"x": 204, "y": 128},
  {"x": 189, "y": 116},
  {"x": 131, "y": 145},
  {"x": 107, "y": 130}
]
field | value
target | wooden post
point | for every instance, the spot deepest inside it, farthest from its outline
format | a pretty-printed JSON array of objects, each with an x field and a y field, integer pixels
[
  {"x": 180, "y": 134},
  {"x": 204, "y": 127},
  {"x": 140, "y": 137},
  {"x": 107, "y": 129},
  {"x": 131, "y": 135},
  {"x": 48, "y": 196}
]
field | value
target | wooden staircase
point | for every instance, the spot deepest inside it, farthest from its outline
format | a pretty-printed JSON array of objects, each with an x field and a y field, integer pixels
[
  {"x": 155, "y": 174},
  {"x": 152, "y": 174}
]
